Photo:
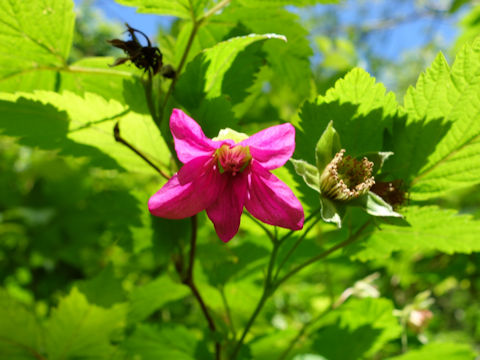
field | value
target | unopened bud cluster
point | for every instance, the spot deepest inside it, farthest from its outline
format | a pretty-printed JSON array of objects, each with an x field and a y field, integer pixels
[{"x": 346, "y": 178}]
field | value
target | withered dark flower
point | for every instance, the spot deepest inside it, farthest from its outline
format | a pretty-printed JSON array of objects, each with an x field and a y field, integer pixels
[
  {"x": 390, "y": 191},
  {"x": 346, "y": 178},
  {"x": 147, "y": 57}
]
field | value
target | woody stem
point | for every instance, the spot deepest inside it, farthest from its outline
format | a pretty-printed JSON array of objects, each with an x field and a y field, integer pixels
[{"x": 189, "y": 281}]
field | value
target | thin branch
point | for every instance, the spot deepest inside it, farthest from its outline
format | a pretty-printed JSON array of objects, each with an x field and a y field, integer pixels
[
  {"x": 294, "y": 247},
  {"x": 196, "y": 23},
  {"x": 32, "y": 351},
  {"x": 228, "y": 312},
  {"x": 149, "y": 97},
  {"x": 193, "y": 248},
  {"x": 267, "y": 292},
  {"x": 179, "y": 69},
  {"x": 118, "y": 138},
  {"x": 260, "y": 224},
  {"x": 189, "y": 281},
  {"x": 213, "y": 10},
  {"x": 341, "y": 245},
  {"x": 291, "y": 232},
  {"x": 302, "y": 331}
]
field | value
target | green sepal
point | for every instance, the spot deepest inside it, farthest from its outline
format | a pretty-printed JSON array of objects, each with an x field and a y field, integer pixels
[
  {"x": 378, "y": 158},
  {"x": 310, "y": 173},
  {"x": 332, "y": 211},
  {"x": 374, "y": 205},
  {"x": 327, "y": 146}
]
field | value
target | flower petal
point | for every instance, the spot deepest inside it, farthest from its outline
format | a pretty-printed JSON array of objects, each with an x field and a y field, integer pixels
[
  {"x": 225, "y": 213},
  {"x": 271, "y": 201},
  {"x": 273, "y": 146},
  {"x": 188, "y": 192},
  {"x": 190, "y": 141}
]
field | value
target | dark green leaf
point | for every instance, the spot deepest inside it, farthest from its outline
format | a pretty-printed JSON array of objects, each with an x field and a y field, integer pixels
[{"x": 327, "y": 146}]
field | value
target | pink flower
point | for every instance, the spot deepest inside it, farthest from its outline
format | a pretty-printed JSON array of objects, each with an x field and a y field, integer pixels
[{"x": 224, "y": 175}]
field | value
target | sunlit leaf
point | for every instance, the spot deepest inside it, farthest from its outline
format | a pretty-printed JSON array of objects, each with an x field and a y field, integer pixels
[
  {"x": 180, "y": 8},
  {"x": 438, "y": 148},
  {"x": 29, "y": 45},
  {"x": 77, "y": 329},
  {"x": 431, "y": 228},
  {"x": 163, "y": 342},
  {"x": 366, "y": 325},
  {"x": 439, "y": 351},
  {"x": 146, "y": 299},
  {"x": 21, "y": 337}
]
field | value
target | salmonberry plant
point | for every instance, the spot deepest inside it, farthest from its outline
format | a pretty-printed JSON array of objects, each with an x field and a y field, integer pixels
[{"x": 329, "y": 230}]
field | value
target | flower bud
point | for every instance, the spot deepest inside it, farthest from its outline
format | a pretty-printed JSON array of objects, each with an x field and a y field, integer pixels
[
  {"x": 346, "y": 178},
  {"x": 419, "y": 319}
]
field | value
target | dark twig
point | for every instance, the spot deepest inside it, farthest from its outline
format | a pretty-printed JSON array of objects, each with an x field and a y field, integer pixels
[
  {"x": 189, "y": 281},
  {"x": 120, "y": 139}
]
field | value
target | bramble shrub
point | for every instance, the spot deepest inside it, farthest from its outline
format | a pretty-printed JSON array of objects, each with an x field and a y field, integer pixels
[{"x": 338, "y": 225}]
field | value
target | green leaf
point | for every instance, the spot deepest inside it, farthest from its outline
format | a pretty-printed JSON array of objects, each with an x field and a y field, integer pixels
[
  {"x": 222, "y": 265},
  {"x": 366, "y": 325},
  {"x": 30, "y": 81},
  {"x": 378, "y": 158},
  {"x": 82, "y": 127},
  {"x": 282, "y": 3},
  {"x": 165, "y": 342},
  {"x": 359, "y": 108},
  {"x": 185, "y": 9},
  {"x": 431, "y": 228},
  {"x": 29, "y": 45},
  {"x": 147, "y": 299},
  {"x": 270, "y": 344},
  {"x": 94, "y": 75},
  {"x": 438, "y": 148},
  {"x": 210, "y": 74},
  {"x": 309, "y": 357},
  {"x": 457, "y": 4},
  {"x": 77, "y": 329},
  {"x": 439, "y": 351},
  {"x": 327, "y": 146},
  {"x": 104, "y": 289},
  {"x": 20, "y": 333},
  {"x": 331, "y": 211},
  {"x": 215, "y": 114},
  {"x": 375, "y": 205},
  {"x": 289, "y": 61},
  {"x": 309, "y": 173}
]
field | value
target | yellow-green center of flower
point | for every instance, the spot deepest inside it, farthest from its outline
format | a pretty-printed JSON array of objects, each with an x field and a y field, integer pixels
[{"x": 233, "y": 159}]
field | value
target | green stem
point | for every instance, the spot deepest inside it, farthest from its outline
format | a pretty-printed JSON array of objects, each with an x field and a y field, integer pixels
[
  {"x": 213, "y": 10},
  {"x": 189, "y": 281},
  {"x": 196, "y": 23},
  {"x": 267, "y": 292},
  {"x": 228, "y": 312},
  {"x": 302, "y": 331},
  {"x": 148, "y": 85},
  {"x": 195, "y": 28},
  {"x": 294, "y": 247},
  {"x": 341, "y": 245},
  {"x": 264, "y": 228},
  {"x": 291, "y": 232}
]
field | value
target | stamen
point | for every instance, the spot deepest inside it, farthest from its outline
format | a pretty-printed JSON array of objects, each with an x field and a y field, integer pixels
[
  {"x": 346, "y": 178},
  {"x": 233, "y": 160}
]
